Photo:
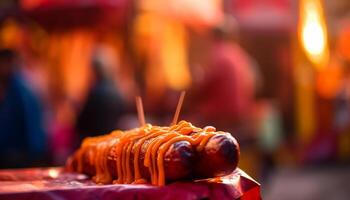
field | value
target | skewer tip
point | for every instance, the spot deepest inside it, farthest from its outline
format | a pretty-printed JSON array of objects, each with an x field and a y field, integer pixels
[
  {"x": 178, "y": 108},
  {"x": 140, "y": 112}
]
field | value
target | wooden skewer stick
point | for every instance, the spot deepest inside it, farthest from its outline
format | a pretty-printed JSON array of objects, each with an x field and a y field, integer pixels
[
  {"x": 178, "y": 108},
  {"x": 140, "y": 113}
]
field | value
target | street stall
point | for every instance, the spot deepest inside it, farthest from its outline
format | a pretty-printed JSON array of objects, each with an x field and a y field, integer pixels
[
  {"x": 58, "y": 42},
  {"x": 180, "y": 161}
]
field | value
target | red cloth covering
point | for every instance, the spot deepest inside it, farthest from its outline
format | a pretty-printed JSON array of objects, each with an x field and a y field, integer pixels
[{"x": 53, "y": 184}]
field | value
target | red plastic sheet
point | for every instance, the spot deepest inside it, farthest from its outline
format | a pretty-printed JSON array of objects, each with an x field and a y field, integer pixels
[{"x": 55, "y": 184}]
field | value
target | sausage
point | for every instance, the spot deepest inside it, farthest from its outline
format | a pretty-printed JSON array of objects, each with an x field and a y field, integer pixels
[
  {"x": 220, "y": 157},
  {"x": 178, "y": 162},
  {"x": 182, "y": 160}
]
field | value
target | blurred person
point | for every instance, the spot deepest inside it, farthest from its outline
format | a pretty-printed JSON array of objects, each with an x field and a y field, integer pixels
[
  {"x": 22, "y": 138},
  {"x": 226, "y": 92},
  {"x": 104, "y": 105},
  {"x": 341, "y": 118},
  {"x": 270, "y": 135}
]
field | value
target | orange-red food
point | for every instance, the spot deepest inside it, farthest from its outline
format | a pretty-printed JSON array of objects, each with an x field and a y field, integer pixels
[{"x": 156, "y": 154}]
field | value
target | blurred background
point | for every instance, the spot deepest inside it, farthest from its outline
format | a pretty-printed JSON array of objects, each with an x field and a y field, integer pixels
[{"x": 274, "y": 73}]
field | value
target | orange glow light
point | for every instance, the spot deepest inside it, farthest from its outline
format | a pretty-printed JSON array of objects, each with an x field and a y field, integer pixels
[{"x": 313, "y": 32}]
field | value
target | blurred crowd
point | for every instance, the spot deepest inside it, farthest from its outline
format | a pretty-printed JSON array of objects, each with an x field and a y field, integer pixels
[
  {"x": 63, "y": 81},
  {"x": 70, "y": 70}
]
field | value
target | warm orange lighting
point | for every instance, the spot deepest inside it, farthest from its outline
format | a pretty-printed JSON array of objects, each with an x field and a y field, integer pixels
[
  {"x": 53, "y": 173},
  {"x": 313, "y": 32}
]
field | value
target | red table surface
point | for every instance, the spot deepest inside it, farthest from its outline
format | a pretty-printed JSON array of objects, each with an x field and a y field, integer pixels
[{"x": 55, "y": 184}]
